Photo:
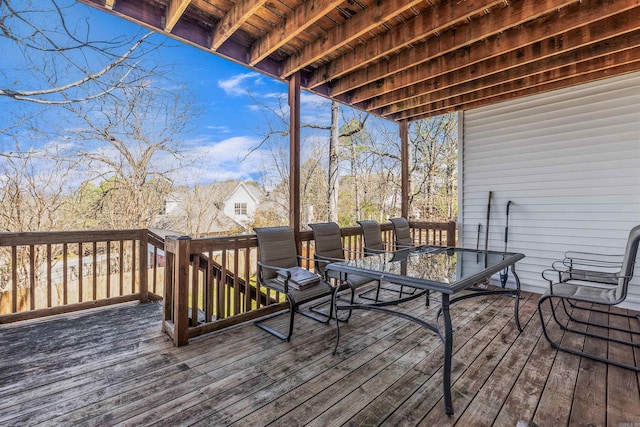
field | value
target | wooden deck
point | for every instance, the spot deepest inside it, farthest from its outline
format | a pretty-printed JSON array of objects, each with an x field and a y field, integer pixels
[{"x": 115, "y": 367}]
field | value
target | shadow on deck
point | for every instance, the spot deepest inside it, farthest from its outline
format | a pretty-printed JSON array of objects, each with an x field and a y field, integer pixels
[{"x": 115, "y": 366}]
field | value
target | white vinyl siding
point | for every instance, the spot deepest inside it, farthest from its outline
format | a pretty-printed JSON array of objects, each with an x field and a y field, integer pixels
[{"x": 569, "y": 160}]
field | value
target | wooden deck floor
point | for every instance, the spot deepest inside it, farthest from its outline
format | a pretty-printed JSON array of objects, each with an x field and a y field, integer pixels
[{"x": 115, "y": 367}]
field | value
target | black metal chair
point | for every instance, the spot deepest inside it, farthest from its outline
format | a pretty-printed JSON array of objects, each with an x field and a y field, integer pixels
[
  {"x": 277, "y": 260},
  {"x": 403, "y": 240},
  {"x": 582, "y": 280},
  {"x": 372, "y": 236},
  {"x": 373, "y": 244},
  {"x": 402, "y": 232},
  {"x": 328, "y": 249}
]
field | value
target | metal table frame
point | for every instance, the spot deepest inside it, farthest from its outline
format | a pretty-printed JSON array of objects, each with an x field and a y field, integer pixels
[{"x": 447, "y": 290}]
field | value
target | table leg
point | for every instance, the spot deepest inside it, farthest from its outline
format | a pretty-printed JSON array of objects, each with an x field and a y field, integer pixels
[
  {"x": 448, "y": 350},
  {"x": 516, "y": 313}
]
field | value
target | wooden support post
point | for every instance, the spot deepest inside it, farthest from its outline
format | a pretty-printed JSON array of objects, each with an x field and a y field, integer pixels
[
  {"x": 405, "y": 160},
  {"x": 451, "y": 233},
  {"x": 294, "y": 154},
  {"x": 143, "y": 273},
  {"x": 177, "y": 290}
]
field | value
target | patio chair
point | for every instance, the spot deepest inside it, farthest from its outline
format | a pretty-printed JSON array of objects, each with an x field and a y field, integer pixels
[
  {"x": 373, "y": 244},
  {"x": 402, "y": 233},
  {"x": 582, "y": 280},
  {"x": 278, "y": 260},
  {"x": 328, "y": 249},
  {"x": 372, "y": 236}
]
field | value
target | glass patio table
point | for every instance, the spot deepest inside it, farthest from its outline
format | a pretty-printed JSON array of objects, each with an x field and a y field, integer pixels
[{"x": 446, "y": 270}]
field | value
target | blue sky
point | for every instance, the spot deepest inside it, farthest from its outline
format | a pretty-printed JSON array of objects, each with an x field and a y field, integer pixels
[{"x": 232, "y": 124}]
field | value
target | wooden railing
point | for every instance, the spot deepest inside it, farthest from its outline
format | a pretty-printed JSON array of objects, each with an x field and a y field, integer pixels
[
  {"x": 45, "y": 273},
  {"x": 207, "y": 283},
  {"x": 211, "y": 282}
]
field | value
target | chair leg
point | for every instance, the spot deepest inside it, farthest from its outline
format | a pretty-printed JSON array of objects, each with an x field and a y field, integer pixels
[
  {"x": 292, "y": 311},
  {"x": 260, "y": 324},
  {"x": 364, "y": 295},
  {"x": 559, "y": 347}
]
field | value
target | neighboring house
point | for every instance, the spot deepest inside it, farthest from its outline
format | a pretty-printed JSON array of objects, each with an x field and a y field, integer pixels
[
  {"x": 212, "y": 209},
  {"x": 241, "y": 203}
]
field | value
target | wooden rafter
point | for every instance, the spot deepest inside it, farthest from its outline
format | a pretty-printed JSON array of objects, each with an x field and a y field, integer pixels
[
  {"x": 239, "y": 13},
  {"x": 174, "y": 11},
  {"x": 581, "y": 55},
  {"x": 299, "y": 20},
  {"x": 536, "y": 38},
  {"x": 422, "y": 26},
  {"x": 353, "y": 28},
  {"x": 552, "y": 53},
  {"x": 491, "y": 24},
  {"x": 570, "y": 75}
]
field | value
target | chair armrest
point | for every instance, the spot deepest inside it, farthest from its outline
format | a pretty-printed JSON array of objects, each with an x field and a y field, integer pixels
[
  {"x": 590, "y": 261},
  {"x": 373, "y": 251},
  {"x": 285, "y": 272},
  {"x": 552, "y": 275},
  {"x": 328, "y": 259}
]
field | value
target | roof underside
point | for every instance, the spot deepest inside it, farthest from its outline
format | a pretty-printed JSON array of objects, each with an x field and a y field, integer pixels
[{"x": 407, "y": 59}]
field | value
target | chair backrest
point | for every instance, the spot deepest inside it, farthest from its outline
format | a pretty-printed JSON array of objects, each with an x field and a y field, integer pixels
[
  {"x": 328, "y": 242},
  {"x": 628, "y": 262},
  {"x": 402, "y": 232},
  {"x": 372, "y": 236},
  {"x": 276, "y": 247}
]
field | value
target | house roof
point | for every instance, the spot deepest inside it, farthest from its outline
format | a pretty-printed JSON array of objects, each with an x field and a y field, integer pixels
[
  {"x": 201, "y": 210},
  {"x": 408, "y": 59}
]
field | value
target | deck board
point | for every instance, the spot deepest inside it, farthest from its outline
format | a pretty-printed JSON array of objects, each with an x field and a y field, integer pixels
[{"x": 113, "y": 366}]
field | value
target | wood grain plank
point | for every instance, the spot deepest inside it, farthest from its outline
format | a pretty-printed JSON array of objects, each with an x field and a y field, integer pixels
[
  {"x": 375, "y": 400},
  {"x": 590, "y": 407},
  {"x": 115, "y": 366},
  {"x": 555, "y": 402},
  {"x": 623, "y": 388},
  {"x": 466, "y": 349}
]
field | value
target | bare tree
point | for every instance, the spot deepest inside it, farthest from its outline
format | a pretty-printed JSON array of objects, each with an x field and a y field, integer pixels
[
  {"x": 132, "y": 139},
  {"x": 277, "y": 119},
  {"x": 33, "y": 186},
  {"x": 433, "y": 169},
  {"x": 58, "y": 62}
]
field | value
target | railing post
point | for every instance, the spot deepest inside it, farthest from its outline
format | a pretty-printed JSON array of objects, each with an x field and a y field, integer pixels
[
  {"x": 181, "y": 292},
  {"x": 177, "y": 288},
  {"x": 142, "y": 265},
  {"x": 451, "y": 233}
]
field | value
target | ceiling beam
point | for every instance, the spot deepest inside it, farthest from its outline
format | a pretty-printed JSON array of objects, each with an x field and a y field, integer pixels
[
  {"x": 604, "y": 66},
  {"x": 354, "y": 27},
  {"x": 606, "y": 47},
  {"x": 491, "y": 24},
  {"x": 424, "y": 25},
  {"x": 592, "y": 34},
  {"x": 239, "y": 13},
  {"x": 578, "y": 15},
  {"x": 174, "y": 11},
  {"x": 300, "y": 19},
  {"x": 585, "y": 78}
]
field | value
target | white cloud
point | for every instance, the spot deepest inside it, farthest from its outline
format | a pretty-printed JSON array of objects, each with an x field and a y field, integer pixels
[
  {"x": 310, "y": 100},
  {"x": 236, "y": 85},
  {"x": 222, "y": 129},
  {"x": 230, "y": 158}
]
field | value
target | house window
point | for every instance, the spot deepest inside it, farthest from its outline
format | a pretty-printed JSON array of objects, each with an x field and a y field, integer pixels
[{"x": 240, "y": 208}]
